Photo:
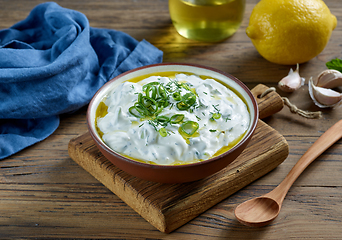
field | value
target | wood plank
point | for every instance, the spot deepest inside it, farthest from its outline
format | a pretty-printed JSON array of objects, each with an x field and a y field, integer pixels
[
  {"x": 307, "y": 213},
  {"x": 90, "y": 211}
]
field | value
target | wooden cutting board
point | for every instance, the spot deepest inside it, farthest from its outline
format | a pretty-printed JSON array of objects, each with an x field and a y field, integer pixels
[{"x": 169, "y": 206}]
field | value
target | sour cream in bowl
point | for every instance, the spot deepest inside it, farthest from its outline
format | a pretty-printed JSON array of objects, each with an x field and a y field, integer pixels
[{"x": 172, "y": 122}]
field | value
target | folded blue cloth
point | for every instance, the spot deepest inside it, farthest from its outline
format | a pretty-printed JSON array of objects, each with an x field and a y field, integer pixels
[{"x": 53, "y": 63}]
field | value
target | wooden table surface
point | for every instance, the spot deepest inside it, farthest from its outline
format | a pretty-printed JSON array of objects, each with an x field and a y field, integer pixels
[{"x": 44, "y": 194}]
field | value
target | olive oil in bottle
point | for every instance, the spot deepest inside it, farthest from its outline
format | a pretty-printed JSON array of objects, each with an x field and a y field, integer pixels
[{"x": 206, "y": 20}]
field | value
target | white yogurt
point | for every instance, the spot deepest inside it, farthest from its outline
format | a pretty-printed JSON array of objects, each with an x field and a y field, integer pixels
[{"x": 221, "y": 115}]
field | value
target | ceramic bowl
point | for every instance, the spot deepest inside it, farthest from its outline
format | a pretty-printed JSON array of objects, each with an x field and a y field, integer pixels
[{"x": 176, "y": 173}]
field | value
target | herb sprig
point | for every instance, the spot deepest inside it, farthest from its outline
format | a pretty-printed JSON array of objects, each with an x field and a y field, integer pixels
[{"x": 335, "y": 64}]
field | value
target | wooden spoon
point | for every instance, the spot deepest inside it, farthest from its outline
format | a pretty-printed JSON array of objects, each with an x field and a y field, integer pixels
[{"x": 262, "y": 210}]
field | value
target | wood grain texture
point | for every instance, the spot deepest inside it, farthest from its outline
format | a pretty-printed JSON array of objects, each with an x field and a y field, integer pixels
[
  {"x": 44, "y": 194},
  {"x": 269, "y": 103},
  {"x": 260, "y": 211}
]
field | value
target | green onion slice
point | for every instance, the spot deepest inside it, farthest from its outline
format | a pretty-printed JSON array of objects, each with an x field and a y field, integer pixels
[
  {"x": 132, "y": 110},
  {"x": 186, "y": 86},
  {"x": 140, "y": 97},
  {"x": 149, "y": 85},
  {"x": 182, "y": 106},
  {"x": 150, "y": 104},
  {"x": 158, "y": 109},
  {"x": 162, "y": 91},
  {"x": 176, "y": 96},
  {"x": 189, "y": 127},
  {"x": 141, "y": 109},
  {"x": 189, "y": 98},
  {"x": 163, "y": 119},
  {"x": 216, "y": 115},
  {"x": 177, "y": 118},
  {"x": 152, "y": 90},
  {"x": 163, "y": 103},
  {"x": 163, "y": 132}
]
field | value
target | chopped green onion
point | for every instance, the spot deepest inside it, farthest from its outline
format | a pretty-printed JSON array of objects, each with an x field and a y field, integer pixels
[
  {"x": 132, "y": 110},
  {"x": 189, "y": 98},
  {"x": 140, "y": 97},
  {"x": 149, "y": 103},
  {"x": 163, "y": 132},
  {"x": 149, "y": 85},
  {"x": 186, "y": 86},
  {"x": 162, "y": 119},
  {"x": 182, "y": 106},
  {"x": 155, "y": 97},
  {"x": 158, "y": 109},
  {"x": 177, "y": 118},
  {"x": 216, "y": 115},
  {"x": 176, "y": 96},
  {"x": 189, "y": 127},
  {"x": 141, "y": 109},
  {"x": 163, "y": 103},
  {"x": 153, "y": 91},
  {"x": 162, "y": 92},
  {"x": 168, "y": 87}
]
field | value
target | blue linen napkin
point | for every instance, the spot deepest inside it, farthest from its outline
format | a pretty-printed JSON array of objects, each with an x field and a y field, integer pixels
[{"x": 52, "y": 63}]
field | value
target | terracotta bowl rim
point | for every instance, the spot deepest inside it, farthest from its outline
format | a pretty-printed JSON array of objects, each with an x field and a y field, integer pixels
[{"x": 156, "y": 166}]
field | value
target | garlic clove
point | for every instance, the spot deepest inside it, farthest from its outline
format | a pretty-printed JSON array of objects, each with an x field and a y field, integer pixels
[
  {"x": 292, "y": 81},
  {"x": 329, "y": 79},
  {"x": 324, "y": 97}
]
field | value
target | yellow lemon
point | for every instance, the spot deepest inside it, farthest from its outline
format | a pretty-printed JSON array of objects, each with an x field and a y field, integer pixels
[{"x": 290, "y": 31}]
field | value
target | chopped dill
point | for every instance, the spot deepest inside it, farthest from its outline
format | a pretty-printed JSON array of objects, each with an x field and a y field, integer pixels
[
  {"x": 153, "y": 124},
  {"x": 215, "y": 106},
  {"x": 171, "y": 105}
]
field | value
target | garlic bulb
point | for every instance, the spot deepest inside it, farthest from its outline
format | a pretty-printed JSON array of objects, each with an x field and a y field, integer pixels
[
  {"x": 292, "y": 81},
  {"x": 329, "y": 79},
  {"x": 324, "y": 97}
]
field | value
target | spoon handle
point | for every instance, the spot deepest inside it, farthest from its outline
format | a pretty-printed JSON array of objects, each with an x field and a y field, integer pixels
[{"x": 332, "y": 135}]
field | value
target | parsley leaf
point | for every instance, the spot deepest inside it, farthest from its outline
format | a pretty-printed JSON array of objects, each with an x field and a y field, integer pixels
[{"x": 335, "y": 64}]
